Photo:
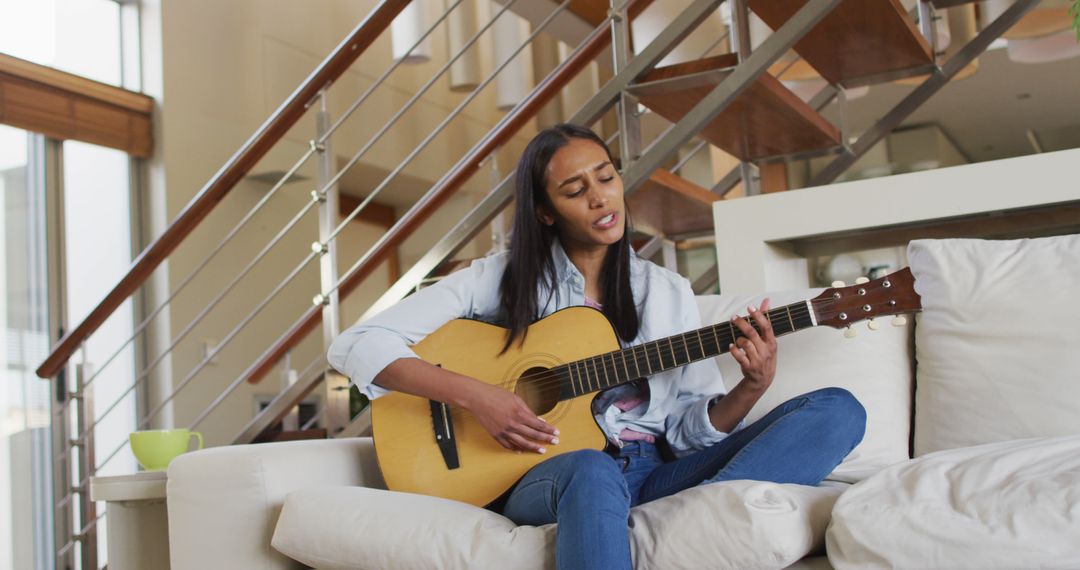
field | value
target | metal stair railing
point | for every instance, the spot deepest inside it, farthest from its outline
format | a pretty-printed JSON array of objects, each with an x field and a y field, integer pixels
[{"x": 83, "y": 444}]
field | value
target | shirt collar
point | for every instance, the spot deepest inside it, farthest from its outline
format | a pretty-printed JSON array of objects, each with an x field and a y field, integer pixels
[{"x": 565, "y": 269}]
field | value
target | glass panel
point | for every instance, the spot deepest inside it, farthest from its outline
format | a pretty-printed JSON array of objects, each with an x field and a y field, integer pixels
[
  {"x": 97, "y": 238},
  {"x": 79, "y": 36},
  {"x": 25, "y": 485}
]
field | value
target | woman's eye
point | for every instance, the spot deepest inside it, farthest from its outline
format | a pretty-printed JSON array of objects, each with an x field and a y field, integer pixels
[
  {"x": 608, "y": 179},
  {"x": 578, "y": 193}
]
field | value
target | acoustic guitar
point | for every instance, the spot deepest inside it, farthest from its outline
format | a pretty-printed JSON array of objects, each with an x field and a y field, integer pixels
[{"x": 428, "y": 447}]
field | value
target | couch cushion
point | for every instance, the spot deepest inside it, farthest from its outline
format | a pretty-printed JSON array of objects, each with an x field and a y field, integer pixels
[
  {"x": 753, "y": 525},
  {"x": 996, "y": 341},
  {"x": 1014, "y": 504},
  {"x": 875, "y": 366}
]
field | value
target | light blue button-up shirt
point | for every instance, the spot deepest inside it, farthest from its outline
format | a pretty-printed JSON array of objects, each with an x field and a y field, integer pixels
[{"x": 678, "y": 399}]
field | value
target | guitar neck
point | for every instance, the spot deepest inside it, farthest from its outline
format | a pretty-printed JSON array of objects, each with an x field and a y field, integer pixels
[{"x": 610, "y": 369}]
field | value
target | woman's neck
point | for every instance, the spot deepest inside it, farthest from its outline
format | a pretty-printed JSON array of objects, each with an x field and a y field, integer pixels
[{"x": 589, "y": 261}]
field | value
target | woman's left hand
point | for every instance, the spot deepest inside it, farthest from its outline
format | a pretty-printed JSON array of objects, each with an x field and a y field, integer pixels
[{"x": 756, "y": 353}]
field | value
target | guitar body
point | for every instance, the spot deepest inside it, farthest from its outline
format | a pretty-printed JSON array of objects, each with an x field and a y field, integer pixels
[{"x": 403, "y": 425}]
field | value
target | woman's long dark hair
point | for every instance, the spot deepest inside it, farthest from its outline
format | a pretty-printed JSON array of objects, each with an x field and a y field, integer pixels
[{"x": 531, "y": 265}]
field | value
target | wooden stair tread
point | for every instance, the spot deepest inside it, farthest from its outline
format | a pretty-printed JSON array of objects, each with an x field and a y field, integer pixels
[
  {"x": 858, "y": 39},
  {"x": 766, "y": 120},
  {"x": 667, "y": 204}
]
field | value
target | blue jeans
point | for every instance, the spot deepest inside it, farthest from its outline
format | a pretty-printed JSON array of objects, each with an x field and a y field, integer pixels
[{"x": 589, "y": 493}]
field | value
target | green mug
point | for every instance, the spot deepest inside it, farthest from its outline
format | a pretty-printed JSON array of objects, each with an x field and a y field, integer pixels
[{"x": 155, "y": 448}]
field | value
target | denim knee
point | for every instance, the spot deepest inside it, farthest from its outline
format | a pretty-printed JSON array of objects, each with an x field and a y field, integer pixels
[
  {"x": 594, "y": 470},
  {"x": 844, "y": 413}
]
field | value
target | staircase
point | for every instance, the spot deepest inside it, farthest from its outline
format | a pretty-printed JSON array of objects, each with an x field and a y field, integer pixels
[{"x": 733, "y": 102}]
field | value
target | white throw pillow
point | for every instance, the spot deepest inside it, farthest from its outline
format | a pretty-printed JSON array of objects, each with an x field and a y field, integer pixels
[
  {"x": 1002, "y": 505},
  {"x": 735, "y": 524},
  {"x": 997, "y": 343},
  {"x": 875, "y": 367}
]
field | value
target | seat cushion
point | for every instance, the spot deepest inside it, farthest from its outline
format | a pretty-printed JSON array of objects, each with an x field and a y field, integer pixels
[
  {"x": 875, "y": 367},
  {"x": 1013, "y": 504},
  {"x": 736, "y": 524},
  {"x": 996, "y": 342}
]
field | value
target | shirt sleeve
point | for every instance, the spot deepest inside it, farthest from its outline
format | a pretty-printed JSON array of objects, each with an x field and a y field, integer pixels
[
  {"x": 365, "y": 349},
  {"x": 687, "y": 426}
]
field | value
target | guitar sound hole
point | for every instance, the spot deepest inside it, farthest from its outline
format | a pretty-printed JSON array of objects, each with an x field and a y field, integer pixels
[{"x": 539, "y": 388}]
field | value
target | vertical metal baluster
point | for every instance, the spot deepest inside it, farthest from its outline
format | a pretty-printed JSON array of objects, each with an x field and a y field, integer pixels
[
  {"x": 336, "y": 386},
  {"x": 740, "y": 33},
  {"x": 928, "y": 26},
  {"x": 84, "y": 417},
  {"x": 626, "y": 110},
  {"x": 63, "y": 516},
  {"x": 291, "y": 421}
]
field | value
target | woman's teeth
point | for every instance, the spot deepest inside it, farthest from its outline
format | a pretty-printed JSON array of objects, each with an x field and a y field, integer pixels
[{"x": 606, "y": 220}]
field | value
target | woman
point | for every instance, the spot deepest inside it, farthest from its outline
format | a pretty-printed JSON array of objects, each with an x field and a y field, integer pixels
[{"x": 570, "y": 246}]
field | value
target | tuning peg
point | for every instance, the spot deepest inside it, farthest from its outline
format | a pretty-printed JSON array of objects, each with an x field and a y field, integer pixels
[
  {"x": 849, "y": 332},
  {"x": 899, "y": 321},
  {"x": 872, "y": 325},
  {"x": 861, "y": 280},
  {"x": 838, "y": 284}
]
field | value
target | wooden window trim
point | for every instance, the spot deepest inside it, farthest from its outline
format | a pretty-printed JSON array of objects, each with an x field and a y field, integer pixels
[{"x": 65, "y": 106}]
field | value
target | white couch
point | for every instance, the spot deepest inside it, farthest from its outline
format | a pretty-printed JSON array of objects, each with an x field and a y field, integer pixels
[{"x": 994, "y": 425}]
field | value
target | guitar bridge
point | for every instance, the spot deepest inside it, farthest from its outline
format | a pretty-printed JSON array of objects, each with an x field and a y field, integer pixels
[{"x": 443, "y": 425}]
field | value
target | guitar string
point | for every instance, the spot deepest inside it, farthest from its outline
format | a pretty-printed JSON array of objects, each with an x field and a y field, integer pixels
[
  {"x": 679, "y": 345},
  {"x": 558, "y": 379},
  {"x": 683, "y": 345},
  {"x": 558, "y": 375}
]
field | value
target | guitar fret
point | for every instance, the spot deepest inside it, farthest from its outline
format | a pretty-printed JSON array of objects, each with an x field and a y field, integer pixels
[
  {"x": 596, "y": 374},
  {"x": 581, "y": 381},
  {"x": 645, "y": 349},
  {"x": 588, "y": 381},
  {"x": 659, "y": 356},
  {"x": 637, "y": 365},
  {"x": 626, "y": 371},
  {"x": 607, "y": 381},
  {"x": 701, "y": 344},
  {"x": 674, "y": 360}
]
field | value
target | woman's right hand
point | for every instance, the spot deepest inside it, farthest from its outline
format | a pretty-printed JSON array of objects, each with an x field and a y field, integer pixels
[{"x": 510, "y": 420}]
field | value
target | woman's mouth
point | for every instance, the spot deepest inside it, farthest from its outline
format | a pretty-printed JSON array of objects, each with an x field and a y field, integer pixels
[{"x": 607, "y": 221}]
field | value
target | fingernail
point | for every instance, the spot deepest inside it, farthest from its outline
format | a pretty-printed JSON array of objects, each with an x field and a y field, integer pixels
[
  {"x": 731, "y": 346},
  {"x": 752, "y": 308},
  {"x": 542, "y": 450},
  {"x": 554, "y": 440},
  {"x": 556, "y": 432}
]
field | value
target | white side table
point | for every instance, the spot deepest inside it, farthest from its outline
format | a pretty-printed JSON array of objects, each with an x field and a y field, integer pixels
[{"x": 138, "y": 529}]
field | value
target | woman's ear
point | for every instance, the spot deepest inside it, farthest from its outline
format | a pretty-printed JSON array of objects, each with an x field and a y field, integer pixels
[{"x": 545, "y": 218}]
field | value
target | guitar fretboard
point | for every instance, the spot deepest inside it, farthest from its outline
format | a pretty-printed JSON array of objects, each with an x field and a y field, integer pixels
[{"x": 621, "y": 366}]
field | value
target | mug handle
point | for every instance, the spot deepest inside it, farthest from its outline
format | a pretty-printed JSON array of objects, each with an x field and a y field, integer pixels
[{"x": 199, "y": 436}]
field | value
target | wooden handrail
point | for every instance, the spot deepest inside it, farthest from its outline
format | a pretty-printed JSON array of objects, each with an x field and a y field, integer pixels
[
  {"x": 541, "y": 94},
  {"x": 226, "y": 178}
]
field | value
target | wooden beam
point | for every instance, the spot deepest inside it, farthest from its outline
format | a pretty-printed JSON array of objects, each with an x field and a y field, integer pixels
[
  {"x": 378, "y": 214},
  {"x": 68, "y": 107},
  {"x": 374, "y": 213}
]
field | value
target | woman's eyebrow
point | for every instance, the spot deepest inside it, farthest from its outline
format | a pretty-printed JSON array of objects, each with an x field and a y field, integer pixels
[{"x": 577, "y": 177}]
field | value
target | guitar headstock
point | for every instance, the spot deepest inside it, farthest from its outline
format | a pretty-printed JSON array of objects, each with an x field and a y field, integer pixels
[{"x": 893, "y": 294}]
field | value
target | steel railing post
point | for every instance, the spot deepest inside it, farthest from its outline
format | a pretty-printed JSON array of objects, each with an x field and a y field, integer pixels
[
  {"x": 84, "y": 417},
  {"x": 335, "y": 387},
  {"x": 626, "y": 110}
]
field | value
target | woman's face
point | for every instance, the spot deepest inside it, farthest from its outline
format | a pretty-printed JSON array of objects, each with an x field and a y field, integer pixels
[{"x": 587, "y": 194}]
